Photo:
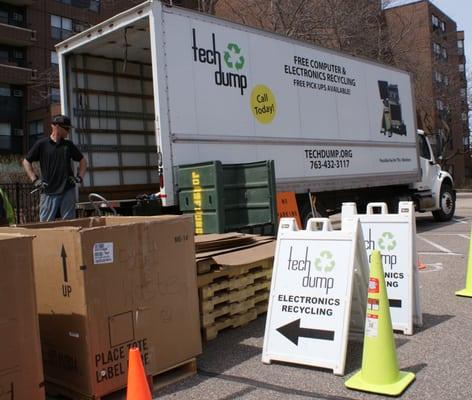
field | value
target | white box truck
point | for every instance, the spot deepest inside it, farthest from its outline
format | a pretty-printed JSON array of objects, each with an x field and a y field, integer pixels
[{"x": 159, "y": 86}]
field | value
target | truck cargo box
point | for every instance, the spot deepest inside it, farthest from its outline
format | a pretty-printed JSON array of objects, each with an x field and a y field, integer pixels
[{"x": 159, "y": 86}]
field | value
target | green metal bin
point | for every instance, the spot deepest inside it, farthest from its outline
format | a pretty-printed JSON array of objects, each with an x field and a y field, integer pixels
[{"x": 229, "y": 197}]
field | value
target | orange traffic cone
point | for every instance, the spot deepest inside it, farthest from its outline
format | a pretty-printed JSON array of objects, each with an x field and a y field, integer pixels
[{"x": 138, "y": 387}]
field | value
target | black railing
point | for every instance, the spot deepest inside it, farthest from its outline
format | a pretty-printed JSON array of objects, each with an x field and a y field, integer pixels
[{"x": 25, "y": 203}]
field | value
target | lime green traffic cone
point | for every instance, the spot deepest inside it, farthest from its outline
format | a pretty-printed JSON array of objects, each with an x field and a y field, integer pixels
[
  {"x": 467, "y": 292},
  {"x": 379, "y": 372}
]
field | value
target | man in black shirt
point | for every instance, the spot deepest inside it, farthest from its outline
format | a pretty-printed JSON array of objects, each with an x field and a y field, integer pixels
[{"x": 55, "y": 155}]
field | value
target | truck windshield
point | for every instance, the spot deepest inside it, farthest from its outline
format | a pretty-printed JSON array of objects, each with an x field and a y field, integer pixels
[{"x": 424, "y": 148}]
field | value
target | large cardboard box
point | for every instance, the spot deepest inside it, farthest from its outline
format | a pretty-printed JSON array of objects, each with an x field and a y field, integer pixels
[
  {"x": 21, "y": 370},
  {"x": 107, "y": 284}
]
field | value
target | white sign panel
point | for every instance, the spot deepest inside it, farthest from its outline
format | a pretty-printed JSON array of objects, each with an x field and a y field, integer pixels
[
  {"x": 227, "y": 83},
  {"x": 311, "y": 297},
  {"x": 393, "y": 235}
]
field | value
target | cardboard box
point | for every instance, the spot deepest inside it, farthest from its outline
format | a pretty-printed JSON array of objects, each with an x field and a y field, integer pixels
[
  {"x": 21, "y": 370},
  {"x": 106, "y": 284}
]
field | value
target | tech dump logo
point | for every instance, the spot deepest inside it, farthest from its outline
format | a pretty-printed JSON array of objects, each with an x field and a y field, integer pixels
[{"x": 233, "y": 59}]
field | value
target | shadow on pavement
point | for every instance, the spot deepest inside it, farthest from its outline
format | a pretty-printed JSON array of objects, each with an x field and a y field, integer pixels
[
  {"x": 415, "y": 368},
  {"x": 223, "y": 353},
  {"x": 431, "y": 320},
  {"x": 271, "y": 387},
  {"x": 239, "y": 393},
  {"x": 426, "y": 224},
  {"x": 354, "y": 354}
]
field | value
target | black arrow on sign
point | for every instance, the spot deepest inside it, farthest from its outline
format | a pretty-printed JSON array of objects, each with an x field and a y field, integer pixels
[
  {"x": 64, "y": 262},
  {"x": 292, "y": 332}
]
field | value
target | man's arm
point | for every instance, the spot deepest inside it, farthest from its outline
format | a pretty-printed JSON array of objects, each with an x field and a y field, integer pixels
[
  {"x": 82, "y": 167},
  {"x": 29, "y": 170}
]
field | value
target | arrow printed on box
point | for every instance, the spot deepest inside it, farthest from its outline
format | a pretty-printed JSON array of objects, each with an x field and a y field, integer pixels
[
  {"x": 64, "y": 262},
  {"x": 292, "y": 331}
]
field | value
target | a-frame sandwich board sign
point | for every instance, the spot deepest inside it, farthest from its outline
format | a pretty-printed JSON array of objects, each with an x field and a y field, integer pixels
[
  {"x": 395, "y": 236},
  {"x": 318, "y": 294}
]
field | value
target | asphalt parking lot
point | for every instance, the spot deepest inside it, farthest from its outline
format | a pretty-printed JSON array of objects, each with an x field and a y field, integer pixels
[{"x": 439, "y": 353}]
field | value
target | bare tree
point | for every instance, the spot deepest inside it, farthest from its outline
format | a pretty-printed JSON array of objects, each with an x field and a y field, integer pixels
[
  {"x": 207, "y": 6},
  {"x": 42, "y": 86}
]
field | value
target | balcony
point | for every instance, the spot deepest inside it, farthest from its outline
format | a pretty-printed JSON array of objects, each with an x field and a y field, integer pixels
[
  {"x": 11, "y": 144},
  {"x": 14, "y": 75},
  {"x": 16, "y": 36}
]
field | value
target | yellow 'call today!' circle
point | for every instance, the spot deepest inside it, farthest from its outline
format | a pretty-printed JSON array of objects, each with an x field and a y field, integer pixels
[{"x": 263, "y": 105}]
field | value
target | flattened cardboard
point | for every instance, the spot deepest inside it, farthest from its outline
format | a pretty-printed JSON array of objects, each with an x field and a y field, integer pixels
[
  {"x": 106, "y": 284},
  {"x": 21, "y": 371}
]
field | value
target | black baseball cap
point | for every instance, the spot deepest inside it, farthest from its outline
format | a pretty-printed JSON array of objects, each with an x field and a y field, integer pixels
[{"x": 61, "y": 120}]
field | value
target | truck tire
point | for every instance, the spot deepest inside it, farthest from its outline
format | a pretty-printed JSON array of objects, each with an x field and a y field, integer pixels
[{"x": 447, "y": 204}]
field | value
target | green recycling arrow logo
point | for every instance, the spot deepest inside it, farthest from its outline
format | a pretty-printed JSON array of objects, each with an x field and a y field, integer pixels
[
  {"x": 233, "y": 57},
  {"x": 325, "y": 262},
  {"x": 387, "y": 241}
]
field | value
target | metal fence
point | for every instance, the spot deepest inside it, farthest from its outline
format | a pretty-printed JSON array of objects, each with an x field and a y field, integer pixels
[{"x": 25, "y": 203}]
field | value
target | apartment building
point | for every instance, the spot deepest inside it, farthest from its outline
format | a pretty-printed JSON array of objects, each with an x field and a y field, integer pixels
[
  {"x": 29, "y": 89},
  {"x": 426, "y": 42}
]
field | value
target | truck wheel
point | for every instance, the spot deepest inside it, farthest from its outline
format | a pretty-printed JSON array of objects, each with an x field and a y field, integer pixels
[{"x": 447, "y": 204}]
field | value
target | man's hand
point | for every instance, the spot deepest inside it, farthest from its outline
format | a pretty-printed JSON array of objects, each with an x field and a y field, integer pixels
[
  {"x": 76, "y": 180},
  {"x": 39, "y": 184}
]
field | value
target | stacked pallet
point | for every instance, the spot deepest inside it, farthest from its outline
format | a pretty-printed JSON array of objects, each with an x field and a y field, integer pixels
[{"x": 234, "y": 274}]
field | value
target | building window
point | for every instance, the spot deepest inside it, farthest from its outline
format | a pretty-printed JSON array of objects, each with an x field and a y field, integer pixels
[
  {"x": 461, "y": 68},
  {"x": 55, "y": 95},
  {"x": 54, "y": 59},
  {"x": 446, "y": 80},
  {"x": 12, "y": 55},
  {"x": 466, "y": 142},
  {"x": 5, "y": 129},
  {"x": 464, "y": 116},
  {"x": 460, "y": 47},
  {"x": 61, "y": 27},
  {"x": 437, "y": 23},
  {"x": 4, "y": 55},
  {"x": 12, "y": 15},
  {"x": 17, "y": 92},
  {"x": 92, "y": 5},
  {"x": 36, "y": 127},
  {"x": 439, "y": 104},
  {"x": 463, "y": 93},
  {"x": 4, "y": 16},
  {"x": 438, "y": 76},
  {"x": 5, "y": 91},
  {"x": 436, "y": 48},
  {"x": 444, "y": 53}
]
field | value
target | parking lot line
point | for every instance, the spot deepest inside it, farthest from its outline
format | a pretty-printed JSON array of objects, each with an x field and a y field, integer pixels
[
  {"x": 459, "y": 220},
  {"x": 463, "y": 236},
  {"x": 439, "y": 247}
]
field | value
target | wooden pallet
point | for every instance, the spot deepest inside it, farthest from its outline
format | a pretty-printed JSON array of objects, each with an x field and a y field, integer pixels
[
  {"x": 225, "y": 284},
  {"x": 232, "y": 296},
  {"x": 232, "y": 321},
  {"x": 219, "y": 272},
  {"x": 164, "y": 378},
  {"x": 258, "y": 301}
]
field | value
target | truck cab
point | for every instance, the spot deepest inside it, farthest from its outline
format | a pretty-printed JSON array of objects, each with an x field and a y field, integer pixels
[{"x": 435, "y": 192}]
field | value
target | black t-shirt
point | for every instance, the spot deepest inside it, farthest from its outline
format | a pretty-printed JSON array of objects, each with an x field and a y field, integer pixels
[{"x": 55, "y": 163}]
